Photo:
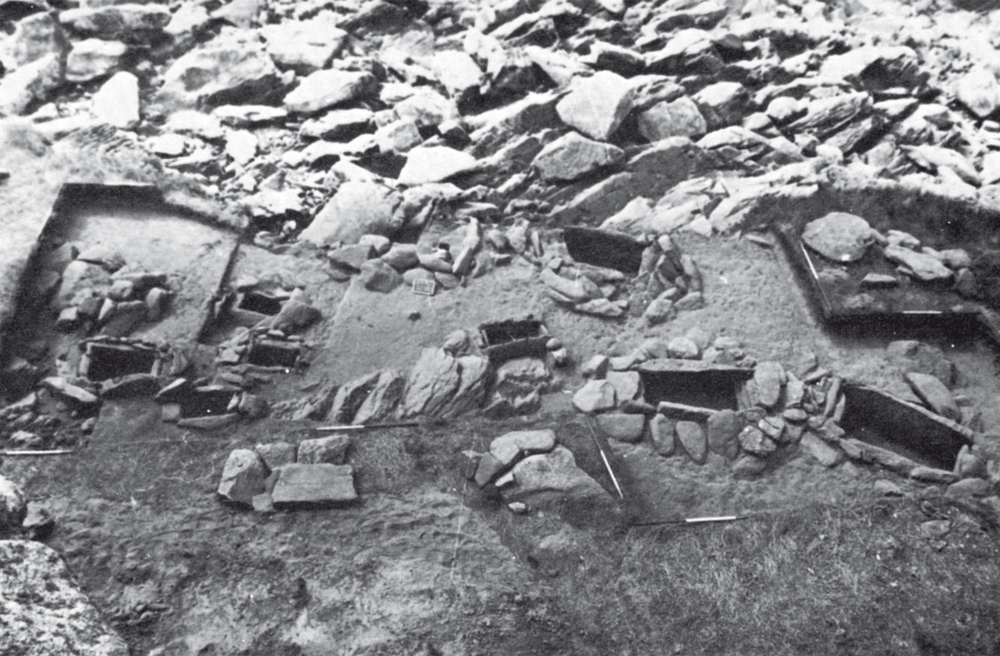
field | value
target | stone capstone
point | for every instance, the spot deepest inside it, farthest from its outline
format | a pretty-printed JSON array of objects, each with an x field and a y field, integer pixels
[
  {"x": 319, "y": 484},
  {"x": 839, "y": 236}
]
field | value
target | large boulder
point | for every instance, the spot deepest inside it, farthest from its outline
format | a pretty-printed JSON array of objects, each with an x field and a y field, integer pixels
[
  {"x": 226, "y": 70},
  {"x": 839, "y": 236},
  {"x": 360, "y": 207},
  {"x": 44, "y": 612},
  {"x": 433, "y": 382},
  {"x": 597, "y": 105}
]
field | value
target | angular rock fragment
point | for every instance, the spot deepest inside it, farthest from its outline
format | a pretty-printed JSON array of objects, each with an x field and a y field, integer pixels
[
  {"x": 243, "y": 477},
  {"x": 428, "y": 164},
  {"x": 223, "y": 71},
  {"x": 13, "y": 507},
  {"x": 597, "y": 105},
  {"x": 328, "y": 88},
  {"x": 358, "y": 208},
  {"x": 595, "y": 396},
  {"x": 678, "y": 118},
  {"x": 304, "y": 46},
  {"x": 921, "y": 266},
  {"x": 573, "y": 156},
  {"x": 331, "y": 449}
]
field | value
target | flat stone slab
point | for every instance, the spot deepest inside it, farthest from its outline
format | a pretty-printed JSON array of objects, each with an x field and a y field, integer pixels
[{"x": 321, "y": 484}]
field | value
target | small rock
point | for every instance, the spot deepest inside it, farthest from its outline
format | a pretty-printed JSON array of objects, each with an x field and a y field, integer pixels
[
  {"x": 723, "y": 432},
  {"x": 573, "y": 156},
  {"x": 377, "y": 276},
  {"x": 769, "y": 378},
  {"x": 753, "y": 441},
  {"x": 683, "y": 348},
  {"x": 886, "y": 488},
  {"x": 748, "y": 467},
  {"x": 329, "y": 87},
  {"x": 627, "y": 384},
  {"x": 968, "y": 464},
  {"x": 824, "y": 453},
  {"x": 276, "y": 454}
]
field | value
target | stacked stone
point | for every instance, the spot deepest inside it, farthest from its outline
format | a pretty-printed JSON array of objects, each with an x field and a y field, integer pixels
[
  {"x": 531, "y": 471},
  {"x": 280, "y": 475}
]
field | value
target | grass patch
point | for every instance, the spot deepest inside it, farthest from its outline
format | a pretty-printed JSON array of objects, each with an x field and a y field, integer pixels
[{"x": 821, "y": 580}]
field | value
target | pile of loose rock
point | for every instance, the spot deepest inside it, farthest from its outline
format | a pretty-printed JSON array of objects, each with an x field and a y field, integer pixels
[
  {"x": 578, "y": 111},
  {"x": 531, "y": 470}
]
